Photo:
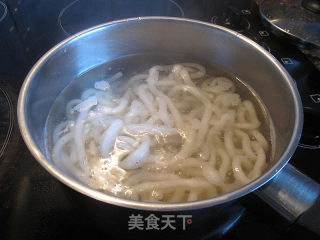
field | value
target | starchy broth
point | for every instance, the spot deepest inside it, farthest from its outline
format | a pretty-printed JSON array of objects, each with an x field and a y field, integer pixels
[{"x": 168, "y": 131}]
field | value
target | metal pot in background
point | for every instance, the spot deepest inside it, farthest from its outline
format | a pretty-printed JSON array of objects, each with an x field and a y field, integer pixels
[
  {"x": 296, "y": 21},
  {"x": 218, "y": 45}
]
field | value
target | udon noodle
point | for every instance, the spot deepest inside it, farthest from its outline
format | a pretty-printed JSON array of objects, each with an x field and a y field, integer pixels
[{"x": 171, "y": 134}]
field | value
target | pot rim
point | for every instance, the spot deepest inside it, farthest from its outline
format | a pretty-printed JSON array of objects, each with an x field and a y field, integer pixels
[{"x": 104, "y": 197}]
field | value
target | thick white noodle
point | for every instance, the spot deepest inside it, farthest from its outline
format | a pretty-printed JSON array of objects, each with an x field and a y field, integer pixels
[
  {"x": 171, "y": 134},
  {"x": 109, "y": 137},
  {"x": 138, "y": 157}
]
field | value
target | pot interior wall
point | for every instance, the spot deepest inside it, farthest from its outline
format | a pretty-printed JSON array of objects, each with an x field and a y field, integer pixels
[{"x": 190, "y": 39}]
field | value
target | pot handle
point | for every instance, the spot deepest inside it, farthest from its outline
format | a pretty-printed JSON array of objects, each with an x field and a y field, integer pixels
[{"x": 295, "y": 196}]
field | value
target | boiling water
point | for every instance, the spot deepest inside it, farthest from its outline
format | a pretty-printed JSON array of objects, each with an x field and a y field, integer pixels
[{"x": 132, "y": 65}]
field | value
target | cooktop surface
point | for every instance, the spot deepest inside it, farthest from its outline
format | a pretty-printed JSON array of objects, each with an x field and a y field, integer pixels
[{"x": 34, "y": 205}]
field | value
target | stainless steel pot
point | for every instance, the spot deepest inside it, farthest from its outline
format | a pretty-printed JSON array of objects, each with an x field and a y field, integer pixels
[
  {"x": 218, "y": 45},
  {"x": 296, "y": 21}
]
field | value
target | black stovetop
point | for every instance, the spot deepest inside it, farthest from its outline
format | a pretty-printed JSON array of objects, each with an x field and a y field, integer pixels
[{"x": 34, "y": 205}]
